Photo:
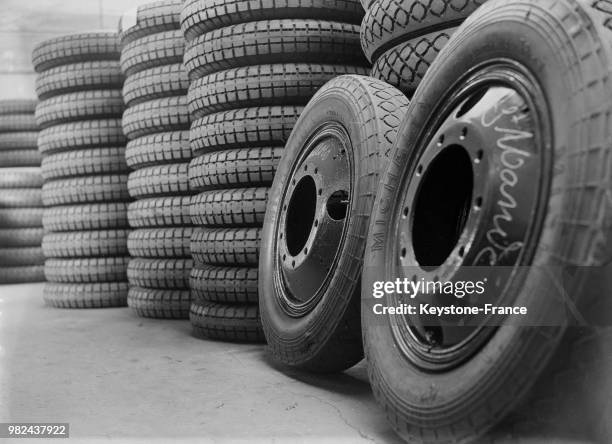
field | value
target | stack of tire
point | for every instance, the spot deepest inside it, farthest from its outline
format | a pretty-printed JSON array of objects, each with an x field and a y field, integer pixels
[
  {"x": 21, "y": 257},
  {"x": 156, "y": 122},
  {"x": 253, "y": 65},
  {"x": 85, "y": 190},
  {"x": 402, "y": 38}
]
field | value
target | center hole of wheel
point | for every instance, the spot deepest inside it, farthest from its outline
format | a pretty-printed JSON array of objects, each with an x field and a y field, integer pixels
[
  {"x": 442, "y": 206},
  {"x": 300, "y": 215}
]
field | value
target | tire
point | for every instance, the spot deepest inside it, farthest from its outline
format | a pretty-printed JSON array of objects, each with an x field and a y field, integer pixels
[
  {"x": 159, "y": 273},
  {"x": 93, "y": 295},
  {"x": 164, "y": 48},
  {"x": 323, "y": 333},
  {"x": 80, "y": 190},
  {"x": 21, "y": 217},
  {"x": 155, "y": 83},
  {"x": 259, "y": 85},
  {"x": 21, "y": 237},
  {"x": 160, "y": 242},
  {"x": 198, "y": 17},
  {"x": 20, "y": 178},
  {"x": 86, "y": 244},
  {"x": 75, "y": 48},
  {"x": 160, "y": 212},
  {"x": 234, "y": 168},
  {"x": 81, "y": 135},
  {"x": 226, "y": 208},
  {"x": 83, "y": 76},
  {"x": 20, "y": 197},
  {"x": 159, "y": 304},
  {"x": 102, "y": 216},
  {"x": 226, "y": 285},
  {"x": 243, "y": 128},
  {"x": 388, "y": 22},
  {"x": 19, "y": 275},
  {"x": 82, "y": 105},
  {"x": 18, "y": 122},
  {"x": 17, "y": 106},
  {"x": 86, "y": 270},
  {"x": 273, "y": 41},
  {"x": 160, "y": 148},
  {"x": 150, "y": 18},
  {"x": 226, "y": 246},
  {"x": 404, "y": 66},
  {"x": 159, "y": 115},
  {"x": 163, "y": 180},
  {"x": 84, "y": 163},
  {"x": 19, "y": 158},
  {"x": 235, "y": 323},
  {"x": 24, "y": 140},
  {"x": 443, "y": 402},
  {"x": 21, "y": 257}
]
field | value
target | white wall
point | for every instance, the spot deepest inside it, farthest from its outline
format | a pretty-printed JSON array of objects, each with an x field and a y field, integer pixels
[{"x": 24, "y": 23}]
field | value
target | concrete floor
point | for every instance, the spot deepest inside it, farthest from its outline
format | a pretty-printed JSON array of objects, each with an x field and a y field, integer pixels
[{"x": 114, "y": 376}]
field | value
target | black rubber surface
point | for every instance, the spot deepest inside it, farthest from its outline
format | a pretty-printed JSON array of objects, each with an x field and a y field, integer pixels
[
  {"x": 101, "y": 216},
  {"x": 21, "y": 237},
  {"x": 81, "y": 135},
  {"x": 21, "y": 256},
  {"x": 20, "y": 178},
  {"x": 150, "y": 18},
  {"x": 233, "y": 207},
  {"x": 159, "y": 49},
  {"x": 160, "y": 212},
  {"x": 238, "y": 323},
  {"x": 226, "y": 246},
  {"x": 157, "y": 115},
  {"x": 82, "y": 105},
  {"x": 159, "y": 273},
  {"x": 227, "y": 285},
  {"x": 17, "y": 106},
  {"x": 162, "y": 180},
  {"x": 168, "y": 147},
  {"x": 85, "y": 244},
  {"x": 96, "y": 74},
  {"x": 160, "y": 242},
  {"x": 21, "y": 217},
  {"x": 18, "y": 275},
  {"x": 159, "y": 303},
  {"x": 19, "y": 158},
  {"x": 17, "y": 122},
  {"x": 86, "y": 270},
  {"x": 155, "y": 83},
  {"x": 94, "y": 295},
  {"x": 20, "y": 197},
  {"x": 18, "y": 140},
  {"x": 84, "y": 163},
  {"x": 91, "y": 189}
]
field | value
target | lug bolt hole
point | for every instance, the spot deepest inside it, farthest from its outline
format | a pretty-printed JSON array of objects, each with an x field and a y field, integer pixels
[
  {"x": 403, "y": 253},
  {"x": 441, "y": 140},
  {"x": 479, "y": 156},
  {"x": 461, "y": 251},
  {"x": 478, "y": 203},
  {"x": 420, "y": 170},
  {"x": 464, "y": 132},
  {"x": 406, "y": 211}
]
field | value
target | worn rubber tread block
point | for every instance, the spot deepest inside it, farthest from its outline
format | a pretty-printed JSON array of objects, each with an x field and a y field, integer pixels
[
  {"x": 83, "y": 76},
  {"x": 87, "y": 270},
  {"x": 169, "y": 147},
  {"x": 22, "y": 140},
  {"x": 227, "y": 285},
  {"x": 20, "y": 158},
  {"x": 18, "y": 275},
  {"x": 21, "y": 177},
  {"x": 234, "y": 207},
  {"x": 274, "y": 41},
  {"x": 86, "y": 244},
  {"x": 160, "y": 242},
  {"x": 236, "y": 323},
  {"x": 81, "y": 105},
  {"x": 20, "y": 197},
  {"x": 159, "y": 303},
  {"x": 226, "y": 246},
  {"x": 277, "y": 84},
  {"x": 84, "y": 163},
  {"x": 18, "y": 122},
  {"x": 162, "y": 180},
  {"x": 150, "y": 18},
  {"x": 164, "y": 48},
  {"x": 160, "y": 212},
  {"x": 81, "y": 135},
  {"x": 102, "y": 216},
  {"x": 200, "y": 16},
  {"x": 157, "y": 115},
  {"x": 243, "y": 128},
  {"x": 234, "y": 168},
  {"x": 75, "y": 48},
  {"x": 21, "y": 237},
  {"x": 92, "y": 295},
  {"x": 17, "y": 106},
  {"x": 155, "y": 83},
  {"x": 405, "y": 65},
  {"x": 388, "y": 23},
  {"x": 21, "y": 256},
  {"x": 21, "y": 217},
  {"x": 88, "y": 189},
  {"x": 160, "y": 273}
]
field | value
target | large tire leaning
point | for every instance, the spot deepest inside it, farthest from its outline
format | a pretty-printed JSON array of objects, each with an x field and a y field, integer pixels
[
  {"x": 323, "y": 333},
  {"x": 559, "y": 51}
]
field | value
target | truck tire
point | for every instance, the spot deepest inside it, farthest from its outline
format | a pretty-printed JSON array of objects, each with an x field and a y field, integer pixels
[
  {"x": 92, "y": 295},
  {"x": 22, "y": 140},
  {"x": 169, "y": 147},
  {"x": 92, "y": 189},
  {"x": 20, "y": 217},
  {"x": 21, "y": 237},
  {"x": 531, "y": 90},
  {"x": 166, "y": 114},
  {"x": 150, "y": 18},
  {"x": 86, "y": 270},
  {"x": 159, "y": 273},
  {"x": 155, "y": 83},
  {"x": 21, "y": 257},
  {"x": 21, "y": 178},
  {"x": 82, "y": 105},
  {"x": 19, "y": 158},
  {"x": 236, "y": 207},
  {"x": 86, "y": 162},
  {"x": 226, "y": 285},
  {"x": 19, "y": 275},
  {"x": 100, "y": 216},
  {"x": 317, "y": 219},
  {"x": 85, "y": 244},
  {"x": 163, "y": 48},
  {"x": 159, "y": 303},
  {"x": 236, "y": 323},
  {"x": 162, "y": 180},
  {"x": 160, "y": 242},
  {"x": 160, "y": 212},
  {"x": 81, "y": 135},
  {"x": 82, "y": 76},
  {"x": 226, "y": 246}
]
